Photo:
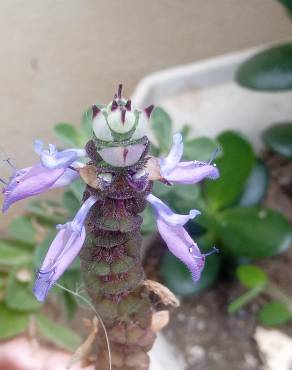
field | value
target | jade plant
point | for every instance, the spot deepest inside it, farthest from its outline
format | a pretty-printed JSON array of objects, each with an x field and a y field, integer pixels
[{"x": 118, "y": 173}]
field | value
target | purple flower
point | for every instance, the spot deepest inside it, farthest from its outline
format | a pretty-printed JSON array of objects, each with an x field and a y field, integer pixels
[
  {"x": 178, "y": 241},
  {"x": 52, "y": 158},
  {"x": 190, "y": 172},
  {"x": 63, "y": 250},
  {"x": 35, "y": 180}
]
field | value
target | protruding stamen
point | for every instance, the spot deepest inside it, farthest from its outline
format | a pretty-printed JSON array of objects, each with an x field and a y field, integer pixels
[
  {"x": 95, "y": 111},
  {"x": 123, "y": 116},
  {"x": 114, "y": 105},
  {"x": 214, "y": 250},
  {"x": 128, "y": 105},
  {"x": 3, "y": 182},
  {"x": 120, "y": 88},
  {"x": 8, "y": 161},
  {"x": 214, "y": 155},
  {"x": 149, "y": 110}
]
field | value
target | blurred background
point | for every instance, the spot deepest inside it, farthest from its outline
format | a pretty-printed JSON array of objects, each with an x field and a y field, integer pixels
[{"x": 59, "y": 57}]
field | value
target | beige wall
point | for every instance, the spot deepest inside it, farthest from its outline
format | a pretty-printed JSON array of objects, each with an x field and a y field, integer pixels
[{"x": 59, "y": 56}]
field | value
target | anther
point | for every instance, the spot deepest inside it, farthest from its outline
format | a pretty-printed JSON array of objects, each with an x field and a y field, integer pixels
[
  {"x": 214, "y": 250},
  {"x": 149, "y": 110},
  {"x": 95, "y": 111},
  {"x": 128, "y": 105},
  {"x": 214, "y": 155},
  {"x": 114, "y": 105}
]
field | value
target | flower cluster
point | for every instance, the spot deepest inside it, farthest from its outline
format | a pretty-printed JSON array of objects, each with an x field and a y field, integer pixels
[{"x": 60, "y": 168}]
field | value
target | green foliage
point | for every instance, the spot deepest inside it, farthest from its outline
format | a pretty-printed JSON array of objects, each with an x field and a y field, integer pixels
[
  {"x": 269, "y": 70},
  {"x": 254, "y": 232},
  {"x": 19, "y": 294},
  {"x": 235, "y": 165},
  {"x": 278, "y": 138},
  {"x": 256, "y": 185},
  {"x": 57, "y": 334},
  {"x": 251, "y": 276},
  {"x": 161, "y": 126},
  {"x": 286, "y": 3},
  {"x": 12, "y": 322},
  {"x": 200, "y": 149},
  {"x": 274, "y": 313},
  {"x": 68, "y": 134},
  {"x": 22, "y": 229},
  {"x": 11, "y": 255}
]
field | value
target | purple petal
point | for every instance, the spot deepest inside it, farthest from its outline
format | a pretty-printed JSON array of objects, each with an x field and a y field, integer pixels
[
  {"x": 66, "y": 179},
  {"x": 34, "y": 180},
  {"x": 28, "y": 182},
  {"x": 183, "y": 247},
  {"x": 63, "y": 250},
  {"x": 192, "y": 172},
  {"x": 52, "y": 158},
  {"x": 170, "y": 162},
  {"x": 164, "y": 213}
]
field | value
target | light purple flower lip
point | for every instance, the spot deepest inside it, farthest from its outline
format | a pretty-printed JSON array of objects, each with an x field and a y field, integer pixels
[
  {"x": 34, "y": 180},
  {"x": 189, "y": 172},
  {"x": 167, "y": 215},
  {"x": 178, "y": 241},
  {"x": 55, "y": 170},
  {"x": 63, "y": 250},
  {"x": 52, "y": 158}
]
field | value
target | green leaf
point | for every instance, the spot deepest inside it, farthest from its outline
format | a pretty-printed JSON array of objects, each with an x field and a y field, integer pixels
[
  {"x": 57, "y": 334},
  {"x": 21, "y": 229},
  {"x": 68, "y": 134},
  {"x": 77, "y": 189},
  {"x": 286, "y": 3},
  {"x": 42, "y": 248},
  {"x": 279, "y": 138},
  {"x": 253, "y": 232},
  {"x": 149, "y": 224},
  {"x": 70, "y": 304},
  {"x": 161, "y": 190},
  {"x": 274, "y": 313},
  {"x": 70, "y": 202},
  {"x": 185, "y": 131},
  {"x": 178, "y": 278},
  {"x": 182, "y": 198},
  {"x": 244, "y": 299},
  {"x": 19, "y": 294},
  {"x": 11, "y": 255},
  {"x": 86, "y": 123},
  {"x": 235, "y": 166},
  {"x": 47, "y": 211},
  {"x": 161, "y": 126},
  {"x": 251, "y": 276},
  {"x": 256, "y": 185},
  {"x": 269, "y": 70},
  {"x": 199, "y": 149},
  {"x": 12, "y": 322}
]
